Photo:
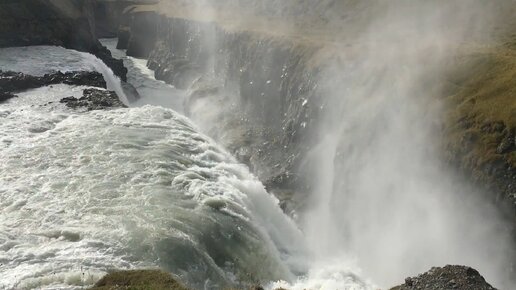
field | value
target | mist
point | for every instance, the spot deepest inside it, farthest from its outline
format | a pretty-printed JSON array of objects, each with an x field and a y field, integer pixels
[
  {"x": 382, "y": 194},
  {"x": 383, "y": 205}
]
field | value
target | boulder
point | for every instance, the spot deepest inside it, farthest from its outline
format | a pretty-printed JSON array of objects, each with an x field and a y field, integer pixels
[
  {"x": 138, "y": 279},
  {"x": 447, "y": 277},
  {"x": 94, "y": 99}
]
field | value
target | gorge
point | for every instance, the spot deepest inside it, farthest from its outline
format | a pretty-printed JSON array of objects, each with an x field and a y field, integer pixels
[{"x": 330, "y": 145}]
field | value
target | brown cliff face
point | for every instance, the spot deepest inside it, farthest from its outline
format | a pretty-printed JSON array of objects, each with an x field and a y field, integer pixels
[{"x": 66, "y": 23}]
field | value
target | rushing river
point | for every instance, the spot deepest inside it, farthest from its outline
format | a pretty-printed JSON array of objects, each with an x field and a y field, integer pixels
[
  {"x": 82, "y": 193},
  {"x": 85, "y": 193}
]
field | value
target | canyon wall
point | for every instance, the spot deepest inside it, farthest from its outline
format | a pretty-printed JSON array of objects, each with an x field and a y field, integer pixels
[{"x": 257, "y": 93}]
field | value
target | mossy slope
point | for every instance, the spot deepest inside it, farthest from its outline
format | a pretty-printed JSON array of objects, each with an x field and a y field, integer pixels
[
  {"x": 138, "y": 280},
  {"x": 481, "y": 117}
]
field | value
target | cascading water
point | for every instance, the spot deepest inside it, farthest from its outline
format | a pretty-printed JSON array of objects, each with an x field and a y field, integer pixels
[
  {"x": 82, "y": 193},
  {"x": 86, "y": 192},
  {"x": 381, "y": 201}
]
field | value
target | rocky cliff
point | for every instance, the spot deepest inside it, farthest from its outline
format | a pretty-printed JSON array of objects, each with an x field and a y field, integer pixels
[
  {"x": 67, "y": 23},
  {"x": 257, "y": 90},
  {"x": 261, "y": 89}
]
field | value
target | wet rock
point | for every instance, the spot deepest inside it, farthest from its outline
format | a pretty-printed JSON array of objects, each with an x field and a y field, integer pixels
[
  {"x": 15, "y": 82},
  {"x": 124, "y": 34},
  {"x": 94, "y": 99},
  {"x": 4, "y": 96},
  {"x": 130, "y": 92},
  {"x": 143, "y": 34},
  {"x": 448, "y": 277}
]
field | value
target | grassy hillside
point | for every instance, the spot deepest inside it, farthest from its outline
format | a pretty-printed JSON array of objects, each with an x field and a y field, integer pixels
[{"x": 481, "y": 115}]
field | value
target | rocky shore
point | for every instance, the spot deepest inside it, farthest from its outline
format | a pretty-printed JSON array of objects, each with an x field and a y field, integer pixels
[
  {"x": 92, "y": 99},
  {"x": 65, "y": 23},
  {"x": 12, "y": 82}
]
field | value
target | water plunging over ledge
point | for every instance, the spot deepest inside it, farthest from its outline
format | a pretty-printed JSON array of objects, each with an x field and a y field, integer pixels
[{"x": 83, "y": 193}]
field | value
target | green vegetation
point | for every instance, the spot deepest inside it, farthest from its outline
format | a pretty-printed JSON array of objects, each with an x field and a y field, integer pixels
[
  {"x": 138, "y": 280},
  {"x": 481, "y": 117}
]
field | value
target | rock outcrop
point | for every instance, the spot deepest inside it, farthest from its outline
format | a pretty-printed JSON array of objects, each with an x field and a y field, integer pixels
[
  {"x": 12, "y": 82},
  {"x": 138, "y": 30},
  {"x": 67, "y": 23},
  {"x": 447, "y": 277},
  {"x": 4, "y": 96},
  {"x": 94, "y": 99}
]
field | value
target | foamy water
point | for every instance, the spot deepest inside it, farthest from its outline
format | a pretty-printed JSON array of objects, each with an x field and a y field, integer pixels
[{"x": 86, "y": 192}]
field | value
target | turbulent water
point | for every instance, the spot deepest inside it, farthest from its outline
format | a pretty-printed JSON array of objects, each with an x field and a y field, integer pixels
[{"x": 82, "y": 193}]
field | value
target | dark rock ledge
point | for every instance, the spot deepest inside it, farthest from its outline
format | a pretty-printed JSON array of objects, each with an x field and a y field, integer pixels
[
  {"x": 94, "y": 99},
  {"x": 13, "y": 82},
  {"x": 447, "y": 277}
]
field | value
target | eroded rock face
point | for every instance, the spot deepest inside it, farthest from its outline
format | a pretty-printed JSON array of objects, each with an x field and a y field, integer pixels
[
  {"x": 143, "y": 34},
  {"x": 12, "y": 82},
  {"x": 266, "y": 86},
  {"x": 447, "y": 277},
  {"x": 94, "y": 99}
]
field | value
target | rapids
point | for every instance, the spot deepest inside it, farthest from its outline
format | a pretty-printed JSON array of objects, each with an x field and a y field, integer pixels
[{"x": 82, "y": 193}]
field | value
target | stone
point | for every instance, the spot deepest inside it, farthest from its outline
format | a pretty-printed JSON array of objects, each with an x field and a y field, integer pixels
[
  {"x": 11, "y": 82},
  {"x": 94, "y": 99},
  {"x": 447, "y": 277}
]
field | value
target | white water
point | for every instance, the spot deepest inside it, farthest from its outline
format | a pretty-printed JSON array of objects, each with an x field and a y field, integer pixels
[
  {"x": 382, "y": 201},
  {"x": 340, "y": 273},
  {"x": 82, "y": 193}
]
